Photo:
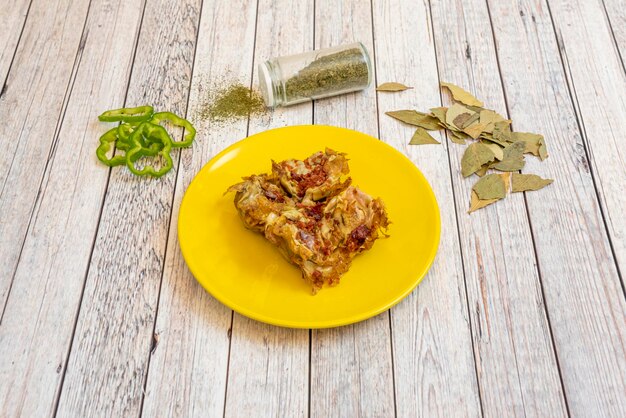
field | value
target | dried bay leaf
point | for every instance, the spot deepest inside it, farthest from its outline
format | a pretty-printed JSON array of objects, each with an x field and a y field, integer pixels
[
  {"x": 475, "y": 130},
  {"x": 465, "y": 119},
  {"x": 525, "y": 182},
  {"x": 415, "y": 118},
  {"x": 439, "y": 113},
  {"x": 495, "y": 148},
  {"x": 392, "y": 87},
  {"x": 422, "y": 137},
  {"x": 461, "y": 95},
  {"x": 478, "y": 203},
  {"x": 543, "y": 151},
  {"x": 457, "y": 137},
  {"x": 490, "y": 186},
  {"x": 476, "y": 109},
  {"x": 526, "y": 137},
  {"x": 454, "y": 112},
  {"x": 482, "y": 170},
  {"x": 513, "y": 157},
  {"x": 488, "y": 137},
  {"x": 502, "y": 131},
  {"x": 489, "y": 118},
  {"x": 475, "y": 156},
  {"x": 506, "y": 178},
  {"x": 534, "y": 143}
]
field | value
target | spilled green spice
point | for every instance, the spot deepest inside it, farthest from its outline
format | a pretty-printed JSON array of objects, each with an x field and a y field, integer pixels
[
  {"x": 231, "y": 102},
  {"x": 339, "y": 71}
]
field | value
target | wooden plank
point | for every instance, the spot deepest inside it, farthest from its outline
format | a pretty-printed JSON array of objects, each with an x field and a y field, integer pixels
[
  {"x": 432, "y": 347},
  {"x": 269, "y": 366},
  {"x": 30, "y": 109},
  {"x": 518, "y": 372},
  {"x": 12, "y": 20},
  {"x": 188, "y": 367},
  {"x": 351, "y": 366},
  {"x": 269, "y": 371},
  {"x": 598, "y": 82},
  {"x": 37, "y": 327},
  {"x": 616, "y": 16},
  {"x": 582, "y": 290},
  {"x": 116, "y": 321}
]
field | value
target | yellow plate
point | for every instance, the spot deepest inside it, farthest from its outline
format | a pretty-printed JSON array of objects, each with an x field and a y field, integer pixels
[{"x": 248, "y": 274}]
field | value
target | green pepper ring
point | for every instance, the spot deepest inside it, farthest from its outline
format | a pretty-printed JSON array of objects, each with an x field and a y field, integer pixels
[
  {"x": 124, "y": 131},
  {"x": 106, "y": 140},
  {"x": 128, "y": 114},
  {"x": 190, "y": 134},
  {"x": 152, "y": 132},
  {"x": 150, "y": 137}
]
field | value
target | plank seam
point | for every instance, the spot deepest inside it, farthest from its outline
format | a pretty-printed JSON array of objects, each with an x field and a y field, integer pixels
[
  {"x": 610, "y": 25},
  {"x": 531, "y": 229},
  {"x": 17, "y": 46},
  {"x": 232, "y": 312},
  {"x": 230, "y": 343},
  {"x": 51, "y": 152},
  {"x": 310, "y": 362},
  {"x": 456, "y": 215},
  {"x": 93, "y": 244},
  {"x": 393, "y": 366},
  {"x": 569, "y": 81},
  {"x": 169, "y": 225}
]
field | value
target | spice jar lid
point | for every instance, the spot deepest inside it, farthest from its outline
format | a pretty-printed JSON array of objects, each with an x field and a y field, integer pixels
[{"x": 266, "y": 85}]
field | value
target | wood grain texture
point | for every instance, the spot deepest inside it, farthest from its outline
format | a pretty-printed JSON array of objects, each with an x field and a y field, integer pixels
[
  {"x": 188, "y": 367},
  {"x": 616, "y": 17},
  {"x": 518, "y": 373},
  {"x": 116, "y": 321},
  {"x": 351, "y": 366},
  {"x": 518, "y": 289},
  {"x": 582, "y": 290},
  {"x": 432, "y": 347},
  {"x": 12, "y": 21},
  {"x": 597, "y": 81},
  {"x": 36, "y": 331},
  {"x": 269, "y": 366},
  {"x": 30, "y": 109}
]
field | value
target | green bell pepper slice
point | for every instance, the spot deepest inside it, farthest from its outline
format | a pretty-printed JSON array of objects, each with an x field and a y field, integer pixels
[
  {"x": 143, "y": 142},
  {"x": 123, "y": 135},
  {"x": 190, "y": 131},
  {"x": 128, "y": 114},
  {"x": 150, "y": 139},
  {"x": 107, "y": 141}
]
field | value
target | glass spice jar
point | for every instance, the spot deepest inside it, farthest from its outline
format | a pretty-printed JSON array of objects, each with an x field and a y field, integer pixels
[{"x": 292, "y": 79}]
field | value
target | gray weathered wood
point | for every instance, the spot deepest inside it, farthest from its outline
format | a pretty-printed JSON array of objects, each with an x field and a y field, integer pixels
[
  {"x": 582, "y": 290},
  {"x": 475, "y": 330},
  {"x": 12, "y": 21},
  {"x": 269, "y": 366},
  {"x": 518, "y": 373},
  {"x": 116, "y": 321},
  {"x": 432, "y": 347},
  {"x": 30, "y": 109},
  {"x": 187, "y": 373},
  {"x": 616, "y": 16},
  {"x": 36, "y": 330},
  {"x": 351, "y": 366},
  {"x": 598, "y": 82}
]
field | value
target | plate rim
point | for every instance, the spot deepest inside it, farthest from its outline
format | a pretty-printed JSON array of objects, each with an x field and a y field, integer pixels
[{"x": 328, "y": 323}]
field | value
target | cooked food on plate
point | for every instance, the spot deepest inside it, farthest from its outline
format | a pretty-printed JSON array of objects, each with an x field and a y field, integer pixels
[{"x": 311, "y": 211}]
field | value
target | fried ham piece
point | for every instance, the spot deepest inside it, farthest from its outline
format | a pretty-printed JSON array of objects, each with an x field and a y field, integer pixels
[{"x": 309, "y": 210}]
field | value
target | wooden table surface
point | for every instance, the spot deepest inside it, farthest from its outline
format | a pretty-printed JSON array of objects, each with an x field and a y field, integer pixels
[{"x": 522, "y": 314}]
